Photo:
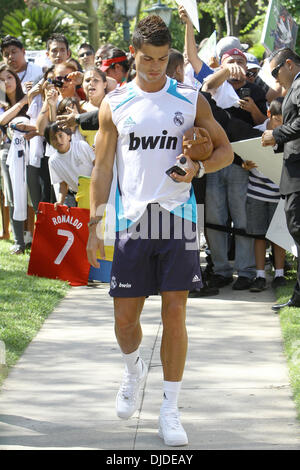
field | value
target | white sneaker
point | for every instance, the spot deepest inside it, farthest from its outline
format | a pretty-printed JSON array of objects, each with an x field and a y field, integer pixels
[
  {"x": 128, "y": 394},
  {"x": 170, "y": 428}
]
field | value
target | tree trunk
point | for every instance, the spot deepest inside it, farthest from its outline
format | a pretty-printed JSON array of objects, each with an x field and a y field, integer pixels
[
  {"x": 88, "y": 18},
  {"x": 93, "y": 26},
  {"x": 137, "y": 17},
  {"x": 229, "y": 17},
  {"x": 232, "y": 17}
]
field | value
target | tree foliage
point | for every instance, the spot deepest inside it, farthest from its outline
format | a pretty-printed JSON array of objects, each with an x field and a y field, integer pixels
[
  {"x": 111, "y": 29},
  {"x": 34, "y": 26},
  {"x": 9, "y": 6},
  {"x": 83, "y": 12}
]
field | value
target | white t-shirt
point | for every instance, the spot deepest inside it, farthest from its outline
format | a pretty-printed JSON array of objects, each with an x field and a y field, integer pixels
[
  {"x": 262, "y": 127},
  {"x": 189, "y": 77},
  {"x": 67, "y": 167},
  {"x": 33, "y": 73},
  {"x": 225, "y": 95},
  {"x": 36, "y": 152},
  {"x": 150, "y": 130}
]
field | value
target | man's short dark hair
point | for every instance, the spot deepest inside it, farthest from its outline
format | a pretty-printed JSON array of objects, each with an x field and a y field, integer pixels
[
  {"x": 275, "y": 107},
  {"x": 59, "y": 38},
  {"x": 281, "y": 55},
  {"x": 151, "y": 30},
  {"x": 85, "y": 45},
  {"x": 11, "y": 41},
  {"x": 175, "y": 59},
  {"x": 53, "y": 128}
]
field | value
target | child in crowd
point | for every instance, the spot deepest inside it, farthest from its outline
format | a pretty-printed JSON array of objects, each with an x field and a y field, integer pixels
[
  {"x": 70, "y": 160},
  {"x": 262, "y": 200},
  {"x": 69, "y": 105}
]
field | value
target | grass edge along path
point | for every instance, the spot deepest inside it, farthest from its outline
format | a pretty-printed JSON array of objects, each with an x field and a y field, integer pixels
[
  {"x": 289, "y": 318},
  {"x": 25, "y": 303}
]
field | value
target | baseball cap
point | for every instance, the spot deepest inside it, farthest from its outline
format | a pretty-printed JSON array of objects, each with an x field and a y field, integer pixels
[
  {"x": 252, "y": 61},
  {"x": 232, "y": 53},
  {"x": 228, "y": 43}
]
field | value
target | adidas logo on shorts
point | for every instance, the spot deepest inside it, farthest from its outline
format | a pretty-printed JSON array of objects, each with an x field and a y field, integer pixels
[{"x": 195, "y": 278}]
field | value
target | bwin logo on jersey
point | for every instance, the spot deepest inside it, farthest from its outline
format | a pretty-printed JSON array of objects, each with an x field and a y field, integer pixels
[
  {"x": 178, "y": 119},
  {"x": 151, "y": 142}
]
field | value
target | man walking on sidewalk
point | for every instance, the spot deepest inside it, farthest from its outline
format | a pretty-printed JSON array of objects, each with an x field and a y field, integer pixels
[
  {"x": 285, "y": 68},
  {"x": 143, "y": 123}
]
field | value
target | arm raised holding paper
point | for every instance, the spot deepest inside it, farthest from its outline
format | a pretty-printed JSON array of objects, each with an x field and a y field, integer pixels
[{"x": 190, "y": 45}]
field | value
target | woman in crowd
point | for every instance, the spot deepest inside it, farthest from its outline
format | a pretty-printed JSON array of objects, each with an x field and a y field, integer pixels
[
  {"x": 15, "y": 105},
  {"x": 60, "y": 85},
  {"x": 4, "y": 207},
  {"x": 95, "y": 88}
]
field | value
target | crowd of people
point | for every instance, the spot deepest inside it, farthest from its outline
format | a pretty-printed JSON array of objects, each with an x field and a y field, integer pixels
[{"x": 52, "y": 112}]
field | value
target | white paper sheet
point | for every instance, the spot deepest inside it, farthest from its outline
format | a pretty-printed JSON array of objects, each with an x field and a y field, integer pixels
[
  {"x": 190, "y": 7},
  {"x": 268, "y": 162},
  {"x": 278, "y": 232}
]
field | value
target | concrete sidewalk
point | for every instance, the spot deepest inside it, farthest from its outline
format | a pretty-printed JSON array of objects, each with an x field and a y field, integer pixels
[{"x": 235, "y": 395}]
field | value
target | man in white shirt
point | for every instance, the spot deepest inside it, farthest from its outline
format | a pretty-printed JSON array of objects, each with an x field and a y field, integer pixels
[
  {"x": 13, "y": 54},
  {"x": 142, "y": 123}
]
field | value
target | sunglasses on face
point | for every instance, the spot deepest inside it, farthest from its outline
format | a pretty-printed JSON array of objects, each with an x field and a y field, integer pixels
[
  {"x": 63, "y": 79},
  {"x": 275, "y": 71},
  {"x": 87, "y": 53}
]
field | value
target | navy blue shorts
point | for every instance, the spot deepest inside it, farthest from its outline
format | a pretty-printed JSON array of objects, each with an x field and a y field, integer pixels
[{"x": 159, "y": 253}]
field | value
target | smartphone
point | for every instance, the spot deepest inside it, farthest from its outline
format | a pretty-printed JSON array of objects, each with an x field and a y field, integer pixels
[
  {"x": 244, "y": 92},
  {"x": 176, "y": 169}
]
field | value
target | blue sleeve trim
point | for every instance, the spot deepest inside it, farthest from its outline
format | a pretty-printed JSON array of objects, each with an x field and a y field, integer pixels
[
  {"x": 173, "y": 91},
  {"x": 204, "y": 72}
]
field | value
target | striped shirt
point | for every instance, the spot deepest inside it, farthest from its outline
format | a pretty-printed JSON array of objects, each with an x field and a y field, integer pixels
[{"x": 262, "y": 188}]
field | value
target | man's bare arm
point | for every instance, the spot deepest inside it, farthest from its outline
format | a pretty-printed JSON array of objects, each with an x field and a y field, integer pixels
[
  {"x": 222, "y": 154},
  {"x": 226, "y": 72},
  {"x": 101, "y": 179},
  {"x": 102, "y": 173}
]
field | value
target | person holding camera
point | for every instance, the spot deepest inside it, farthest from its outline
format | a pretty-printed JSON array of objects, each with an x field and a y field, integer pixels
[
  {"x": 251, "y": 103},
  {"x": 226, "y": 190}
]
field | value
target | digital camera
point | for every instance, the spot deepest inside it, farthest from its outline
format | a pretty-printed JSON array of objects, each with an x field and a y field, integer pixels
[{"x": 56, "y": 82}]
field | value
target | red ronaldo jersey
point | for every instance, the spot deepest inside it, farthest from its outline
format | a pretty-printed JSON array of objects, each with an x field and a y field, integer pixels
[{"x": 58, "y": 248}]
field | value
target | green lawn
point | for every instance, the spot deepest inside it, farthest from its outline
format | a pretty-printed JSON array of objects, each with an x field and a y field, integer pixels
[{"x": 25, "y": 301}]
